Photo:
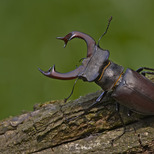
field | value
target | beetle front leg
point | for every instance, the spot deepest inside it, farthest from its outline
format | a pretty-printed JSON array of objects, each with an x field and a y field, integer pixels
[
  {"x": 101, "y": 96},
  {"x": 97, "y": 100}
]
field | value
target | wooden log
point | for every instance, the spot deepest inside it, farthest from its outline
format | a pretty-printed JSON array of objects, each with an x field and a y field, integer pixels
[{"x": 59, "y": 127}]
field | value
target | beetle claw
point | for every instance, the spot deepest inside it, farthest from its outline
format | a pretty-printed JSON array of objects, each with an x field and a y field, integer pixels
[
  {"x": 75, "y": 34},
  {"x": 47, "y": 72},
  {"x": 65, "y": 40},
  {"x": 41, "y": 70},
  {"x": 75, "y": 73},
  {"x": 49, "y": 69},
  {"x": 52, "y": 73}
]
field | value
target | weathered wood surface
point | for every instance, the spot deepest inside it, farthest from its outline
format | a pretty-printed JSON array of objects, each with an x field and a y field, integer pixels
[{"x": 57, "y": 127}]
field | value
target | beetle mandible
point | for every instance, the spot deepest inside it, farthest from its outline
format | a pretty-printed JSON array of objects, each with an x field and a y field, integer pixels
[{"x": 130, "y": 88}]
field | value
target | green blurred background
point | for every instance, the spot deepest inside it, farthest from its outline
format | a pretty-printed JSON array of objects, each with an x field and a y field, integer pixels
[{"x": 27, "y": 41}]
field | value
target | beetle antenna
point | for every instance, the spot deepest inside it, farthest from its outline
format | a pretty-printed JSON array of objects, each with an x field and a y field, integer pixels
[
  {"x": 105, "y": 31},
  {"x": 65, "y": 100}
]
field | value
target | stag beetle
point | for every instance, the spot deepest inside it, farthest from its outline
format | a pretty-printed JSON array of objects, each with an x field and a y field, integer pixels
[{"x": 130, "y": 88}]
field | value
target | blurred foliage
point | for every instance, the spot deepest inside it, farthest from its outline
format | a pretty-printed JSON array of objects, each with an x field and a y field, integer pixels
[{"x": 27, "y": 41}]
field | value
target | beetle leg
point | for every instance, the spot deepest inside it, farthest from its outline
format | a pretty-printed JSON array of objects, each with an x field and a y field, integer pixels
[
  {"x": 146, "y": 72},
  {"x": 145, "y": 68},
  {"x": 65, "y": 100},
  {"x": 102, "y": 95},
  {"x": 140, "y": 70},
  {"x": 96, "y": 102},
  {"x": 124, "y": 129},
  {"x": 117, "y": 107},
  {"x": 129, "y": 113}
]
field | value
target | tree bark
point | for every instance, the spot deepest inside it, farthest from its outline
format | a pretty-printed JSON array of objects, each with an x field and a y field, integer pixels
[{"x": 58, "y": 127}]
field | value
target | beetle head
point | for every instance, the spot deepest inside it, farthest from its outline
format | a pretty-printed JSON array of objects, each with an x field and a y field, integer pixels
[
  {"x": 92, "y": 65},
  {"x": 90, "y": 69}
]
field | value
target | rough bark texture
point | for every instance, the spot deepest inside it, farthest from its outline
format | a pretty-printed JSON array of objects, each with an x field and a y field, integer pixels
[{"x": 57, "y": 127}]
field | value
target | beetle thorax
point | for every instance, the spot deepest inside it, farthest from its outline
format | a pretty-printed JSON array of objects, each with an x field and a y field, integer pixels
[{"x": 109, "y": 76}]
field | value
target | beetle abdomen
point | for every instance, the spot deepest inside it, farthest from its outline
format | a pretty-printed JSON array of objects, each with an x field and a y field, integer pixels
[{"x": 135, "y": 92}]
